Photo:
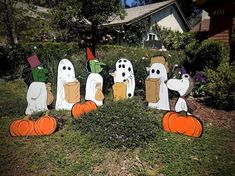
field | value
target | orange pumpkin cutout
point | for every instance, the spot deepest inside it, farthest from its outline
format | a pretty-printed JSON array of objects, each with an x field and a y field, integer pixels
[
  {"x": 45, "y": 125},
  {"x": 79, "y": 109},
  {"x": 23, "y": 127},
  {"x": 187, "y": 125},
  {"x": 14, "y": 128}
]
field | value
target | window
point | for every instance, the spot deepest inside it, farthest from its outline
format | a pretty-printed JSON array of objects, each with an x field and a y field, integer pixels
[{"x": 152, "y": 36}]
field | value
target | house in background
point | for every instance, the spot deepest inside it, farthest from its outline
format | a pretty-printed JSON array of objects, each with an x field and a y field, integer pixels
[
  {"x": 218, "y": 19},
  {"x": 165, "y": 14}
]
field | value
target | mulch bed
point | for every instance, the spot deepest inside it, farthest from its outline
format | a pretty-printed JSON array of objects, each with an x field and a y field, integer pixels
[{"x": 220, "y": 118}]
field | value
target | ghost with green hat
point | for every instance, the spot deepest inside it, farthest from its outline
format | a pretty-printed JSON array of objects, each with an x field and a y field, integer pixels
[{"x": 94, "y": 83}]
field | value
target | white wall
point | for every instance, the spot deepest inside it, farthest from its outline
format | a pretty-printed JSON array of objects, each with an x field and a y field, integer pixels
[{"x": 168, "y": 18}]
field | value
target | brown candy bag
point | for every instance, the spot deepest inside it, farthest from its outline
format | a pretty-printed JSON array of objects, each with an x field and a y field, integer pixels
[
  {"x": 72, "y": 92},
  {"x": 119, "y": 91},
  {"x": 50, "y": 96},
  {"x": 99, "y": 96},
  {"x": 152, "y": 86}
]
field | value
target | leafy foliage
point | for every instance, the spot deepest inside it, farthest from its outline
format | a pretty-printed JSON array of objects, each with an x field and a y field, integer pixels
[
  {"x": 79, "y": 19},
  {"x": 209, "y": 54},
  {"x": 220, "y": 85},
  {"x": 175, "y": 40},
  {"x": 120, "y": 127},
  {"x": 134, "y": 33},
  {"x": 51, "y": 53},
  {"x": 21, "y": 22}
]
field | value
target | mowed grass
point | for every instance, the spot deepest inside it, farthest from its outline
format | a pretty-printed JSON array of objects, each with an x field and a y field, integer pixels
[{"x": 72, "y": 150}]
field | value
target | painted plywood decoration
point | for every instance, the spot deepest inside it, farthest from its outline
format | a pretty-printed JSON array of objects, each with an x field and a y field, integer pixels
[
  {"x": 37, "y": 92},
  {"x": 94, "y": 83},
  {"x": 68, "y": 87},
  {"x": 155, "y": 84},
  {"x": 45, "y": 125},
  {"x": 124, "y": 80},
  {"x": 183, "y": 86},
  {"x": 182, "y": 121}
]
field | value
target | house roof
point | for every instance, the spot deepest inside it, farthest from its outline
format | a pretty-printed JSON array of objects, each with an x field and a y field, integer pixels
[{"x": 137, "y": 13}]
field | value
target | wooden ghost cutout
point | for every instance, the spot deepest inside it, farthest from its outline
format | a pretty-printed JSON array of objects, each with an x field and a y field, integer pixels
[
  {"x": 124, "y": 80},
  {"x": 183, "y": 86},
  {"x": 156, "y": 89},
  {"x": 94, "y": 83},
  {"x": 37, "y": 91},
  {"x": 68, "y": 87}
]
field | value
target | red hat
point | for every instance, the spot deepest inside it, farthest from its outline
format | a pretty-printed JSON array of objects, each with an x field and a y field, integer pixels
[
  {"x": 89, "y": 54},
  {"x": 33, "y": 61}
]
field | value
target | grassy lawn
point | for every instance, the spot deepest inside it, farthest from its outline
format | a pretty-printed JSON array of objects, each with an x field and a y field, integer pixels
[{"x": 124, "y": 138}]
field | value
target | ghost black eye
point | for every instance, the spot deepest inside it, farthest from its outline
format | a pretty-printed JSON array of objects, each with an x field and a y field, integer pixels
[
  {"x": 152, "y": 70},
  {"x": 69, "y": 68},
  {"x": 123, "y": 66},
  {"x": 120, "y": 66},
  {"x": 64, "y": 67},
  {"x": 158, "y": 72},
  {"x": 120, "y": 61}
]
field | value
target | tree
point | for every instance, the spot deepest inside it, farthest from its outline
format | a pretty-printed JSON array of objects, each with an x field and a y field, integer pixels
[
  {"x": 7, "y": 20},
  {"x": 77, "y": 17},
  {"x": 22, "y": 22}
]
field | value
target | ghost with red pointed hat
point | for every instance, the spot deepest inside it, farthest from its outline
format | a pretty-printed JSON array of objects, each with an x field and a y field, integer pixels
[{"x": 94, "y": 83}]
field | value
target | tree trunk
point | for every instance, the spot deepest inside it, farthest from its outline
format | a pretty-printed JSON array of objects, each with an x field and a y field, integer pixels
[{"x": 9, "y": 22}]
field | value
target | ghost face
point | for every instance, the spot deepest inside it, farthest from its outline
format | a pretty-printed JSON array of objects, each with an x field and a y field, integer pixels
[
  {"x": 158, "y": 71},
  {"x": 40, "y": 74},
  {"x": 123, "y": 71},
  {"x": 66, "y": 71}
]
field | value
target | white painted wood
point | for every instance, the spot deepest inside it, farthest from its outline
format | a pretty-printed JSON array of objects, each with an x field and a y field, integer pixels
[
  {"x": 182, "y": 86},
  {"x": 158, "y": 70},
  {"x": 91, "y": 87},
  {"x": 65, "y": 75},
  {"x": 36, "y": 98},
  {"x": 181, "y": 105},
  {"x": 124, "y": 72}
]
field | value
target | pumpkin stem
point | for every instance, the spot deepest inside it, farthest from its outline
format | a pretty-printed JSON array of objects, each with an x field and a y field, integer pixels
[
  {"x": 47, "y": 113},
  {"x": 183, "y": 113},
  {"x": 27, "y": 117}
]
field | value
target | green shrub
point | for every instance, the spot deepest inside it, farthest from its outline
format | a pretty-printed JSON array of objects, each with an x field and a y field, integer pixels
[
  {"x": 175, "y": 40},
  {"x": 52, "y": 52},
  {"x": 209, "y": 54},
  {"x": 220, "y": 85},
  {"x": 114, "y": 125},
  {"x": 140, "y": 59}
]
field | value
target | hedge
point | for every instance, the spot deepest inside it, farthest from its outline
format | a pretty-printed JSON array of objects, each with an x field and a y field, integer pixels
[{"x": 52, "y": 52}]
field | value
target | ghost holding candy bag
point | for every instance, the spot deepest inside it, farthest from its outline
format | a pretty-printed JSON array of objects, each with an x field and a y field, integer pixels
[
  {"x": 155, "y": 84},
  {"x": 124, "y": 80},
  {"x": 68, "y": 87}
]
